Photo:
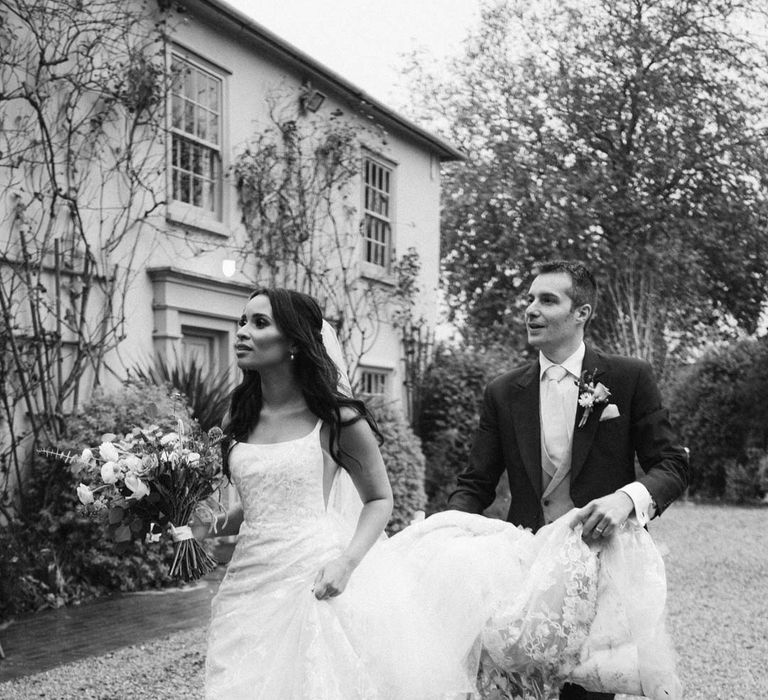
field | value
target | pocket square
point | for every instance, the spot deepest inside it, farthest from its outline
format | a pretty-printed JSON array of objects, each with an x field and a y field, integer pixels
[{"x": 610, "y": 411}]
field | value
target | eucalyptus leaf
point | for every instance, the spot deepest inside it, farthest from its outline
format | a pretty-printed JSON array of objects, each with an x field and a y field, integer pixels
[
  {"x": 115, "y": 515},
  {"x": 122, "y": 533}
]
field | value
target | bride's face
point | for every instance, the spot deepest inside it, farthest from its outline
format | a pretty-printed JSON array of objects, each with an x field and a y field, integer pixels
[{"x": 259, "y": 342}]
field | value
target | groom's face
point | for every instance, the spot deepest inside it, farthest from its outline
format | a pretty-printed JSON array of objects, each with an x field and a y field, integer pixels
[{"x": 552, "y": 322}]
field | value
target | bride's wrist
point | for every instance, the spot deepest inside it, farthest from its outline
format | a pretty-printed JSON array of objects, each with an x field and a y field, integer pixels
[{"x": 350, "y": 560}]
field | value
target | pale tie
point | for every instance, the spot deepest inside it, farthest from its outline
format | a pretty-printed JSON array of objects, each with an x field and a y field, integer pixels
[{"x": 554, "y": 416}]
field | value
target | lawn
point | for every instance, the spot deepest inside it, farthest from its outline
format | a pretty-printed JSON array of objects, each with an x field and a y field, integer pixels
[{"x": 717, "y": 571}]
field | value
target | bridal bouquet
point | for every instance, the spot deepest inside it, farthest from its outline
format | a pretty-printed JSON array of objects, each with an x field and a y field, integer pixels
[{"x": 147, "y": 482}]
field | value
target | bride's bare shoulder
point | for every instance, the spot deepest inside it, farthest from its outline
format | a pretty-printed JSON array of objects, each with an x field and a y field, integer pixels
[{"x": 350, "y": 416}]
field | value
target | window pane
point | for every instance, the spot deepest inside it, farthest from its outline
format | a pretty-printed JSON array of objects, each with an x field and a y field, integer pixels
[
  {"x": 213, "y": 128},
  {"x": 184, "y": 187},
  {"x": 373, "y": 382},
  {"x": 201, "y": 96},
  {"x": 187, "y": 81},
  {"x": 381, "y": 235},
  {"x": 213, "y": 165},
  {"x": 197, "y": 191},
  {"x": 177, "y": 107},
  {"x": 188, "y": 121},
  {"x": 213, "y": 95},
  {"x": 195, "y": 118},
  {"x": 194, "y": 158}
]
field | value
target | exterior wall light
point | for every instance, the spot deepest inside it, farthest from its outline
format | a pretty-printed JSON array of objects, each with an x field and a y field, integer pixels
[
  {"x": 228, "y": 267},
  {"x": 310, "y": 100}
]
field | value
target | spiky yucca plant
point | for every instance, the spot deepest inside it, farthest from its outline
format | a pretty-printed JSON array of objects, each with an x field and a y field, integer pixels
[{"x": 207, "y": 393}]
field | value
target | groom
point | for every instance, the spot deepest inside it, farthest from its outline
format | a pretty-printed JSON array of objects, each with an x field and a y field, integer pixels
[{"x": 558, "y": 452}]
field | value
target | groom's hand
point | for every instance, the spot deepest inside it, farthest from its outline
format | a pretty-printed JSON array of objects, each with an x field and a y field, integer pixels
[{"x": 603, "y": 516}]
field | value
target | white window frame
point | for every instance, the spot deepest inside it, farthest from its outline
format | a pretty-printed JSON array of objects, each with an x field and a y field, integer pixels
[
  {"x": 382, "y": 374},
  {"x": 181, "y": 209},
  {"x": 378, "y": 188}
]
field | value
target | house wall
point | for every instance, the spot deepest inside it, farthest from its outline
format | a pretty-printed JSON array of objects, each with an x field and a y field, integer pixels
[
  {"x": 179, "y": 286},
  {"x": 197, "y": 246}
]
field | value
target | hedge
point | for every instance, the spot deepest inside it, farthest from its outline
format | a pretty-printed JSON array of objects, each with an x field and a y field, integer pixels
[
  {"x": 719, "y": 405},
  {"x": 404, "y": 460},
  {"x": 453, "y": 388}
]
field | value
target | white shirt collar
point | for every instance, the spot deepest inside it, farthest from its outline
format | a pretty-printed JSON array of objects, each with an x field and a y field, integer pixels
[{"x": 571, "y": 364}]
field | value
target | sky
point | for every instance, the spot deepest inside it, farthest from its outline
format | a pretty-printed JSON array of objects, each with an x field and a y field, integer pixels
[{"x": 363, "y": 40}]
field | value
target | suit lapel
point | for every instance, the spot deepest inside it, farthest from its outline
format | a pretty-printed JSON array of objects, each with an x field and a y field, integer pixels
[
  {"x": 583, "y": 437},
  {"x": 525, "y": 418}
]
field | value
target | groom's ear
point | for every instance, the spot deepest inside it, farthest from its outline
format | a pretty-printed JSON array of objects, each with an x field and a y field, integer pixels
[{"x": 584, "y": 312}]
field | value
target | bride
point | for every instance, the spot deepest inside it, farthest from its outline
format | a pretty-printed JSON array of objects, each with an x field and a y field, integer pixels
[{"x": 317, "y": 604}]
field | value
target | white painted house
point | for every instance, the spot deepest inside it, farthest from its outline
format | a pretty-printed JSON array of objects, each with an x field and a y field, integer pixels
[
  {"x": 186, "y": 297},
  {"x": 185, "y": 277}
]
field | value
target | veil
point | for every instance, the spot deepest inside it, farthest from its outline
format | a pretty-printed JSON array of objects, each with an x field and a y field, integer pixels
[
  {"x": 343, "y": 499},
  {"x": 333, "y": 348}
]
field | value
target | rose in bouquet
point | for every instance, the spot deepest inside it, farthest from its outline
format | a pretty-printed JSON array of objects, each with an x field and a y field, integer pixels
[{"x": 147, "y": 482}]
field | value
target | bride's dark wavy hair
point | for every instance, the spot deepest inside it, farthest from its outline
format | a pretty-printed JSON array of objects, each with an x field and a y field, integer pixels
[{"x": 300, "y": 319}]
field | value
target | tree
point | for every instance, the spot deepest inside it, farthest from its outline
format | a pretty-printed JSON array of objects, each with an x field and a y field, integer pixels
[
  {"x": 627, "y": 133},
  {"x": 296, "y": 187},
  {"x": 81, "y": 126}
]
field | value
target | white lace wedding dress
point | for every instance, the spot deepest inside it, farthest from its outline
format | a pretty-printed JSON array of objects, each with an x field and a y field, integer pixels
[{"x": 422, "y": 606}]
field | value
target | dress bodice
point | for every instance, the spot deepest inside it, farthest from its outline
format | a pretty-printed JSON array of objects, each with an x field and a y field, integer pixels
[{"x": 280, "y": 483}]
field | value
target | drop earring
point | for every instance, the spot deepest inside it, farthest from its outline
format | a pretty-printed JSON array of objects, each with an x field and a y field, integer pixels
[{"x": 293, "y": 355}]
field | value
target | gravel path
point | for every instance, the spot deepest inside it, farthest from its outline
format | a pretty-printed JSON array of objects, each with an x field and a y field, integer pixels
[
  {"x": 167, "y": 668},
  {"x": 717, "y": 574},
  {"x": 717, "y": 570}
]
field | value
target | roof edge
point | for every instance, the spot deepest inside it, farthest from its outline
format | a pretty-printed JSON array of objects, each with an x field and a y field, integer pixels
[{"x": 445, "y": 151}]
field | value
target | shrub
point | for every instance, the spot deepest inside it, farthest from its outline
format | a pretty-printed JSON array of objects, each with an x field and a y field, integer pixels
[
  {"x": 718, "y": 406},
  {"x": 452, "y": 389},
  {"x": 404, "y": 460},
  {"x": 747, "y": 482},
  {"x": 137, "y": 402},
  {"x": 50, "y": 554},
  {"x": 206, "y": 393}
]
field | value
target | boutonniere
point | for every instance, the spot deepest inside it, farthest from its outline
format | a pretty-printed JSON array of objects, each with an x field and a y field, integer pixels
[{"x": 590, "y": 394}]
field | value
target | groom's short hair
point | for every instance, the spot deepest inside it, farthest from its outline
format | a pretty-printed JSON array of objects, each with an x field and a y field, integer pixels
[{"x": 583, "y": 285}]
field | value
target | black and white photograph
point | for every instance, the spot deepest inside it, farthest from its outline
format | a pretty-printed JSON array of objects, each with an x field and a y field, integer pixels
[{"x": 406, "y": 350}]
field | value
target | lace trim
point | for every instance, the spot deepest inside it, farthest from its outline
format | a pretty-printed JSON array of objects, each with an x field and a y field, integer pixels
[{"x": 531, "y": 651}]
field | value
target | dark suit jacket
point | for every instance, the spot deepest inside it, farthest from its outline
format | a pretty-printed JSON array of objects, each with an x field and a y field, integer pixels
[{"x": 603, "y": 455}]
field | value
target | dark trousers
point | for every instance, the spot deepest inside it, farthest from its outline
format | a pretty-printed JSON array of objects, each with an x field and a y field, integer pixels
[{"x": 575, "y": 692}]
